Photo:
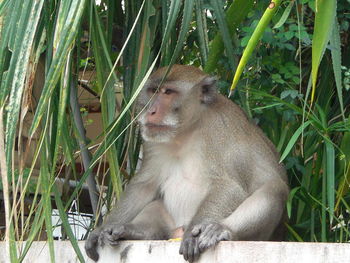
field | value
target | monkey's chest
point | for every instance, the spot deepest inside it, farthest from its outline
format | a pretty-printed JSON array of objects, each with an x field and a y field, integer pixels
[{"x": 183, "y": 188}]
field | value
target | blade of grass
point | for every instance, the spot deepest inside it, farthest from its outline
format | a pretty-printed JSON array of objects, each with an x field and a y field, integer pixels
[
  {"x": 124, "y": 45},
  {"x": 66, "y": 224},
  {"x": 253, "y": 41},
  {"x": 5, "y": 183},
  {"x": 108, "y": 103},
  {"x": 294, "y": 233},
  {"x": 46, "y": 198},
  {"x": 336, "y": 61},
  {"x": 173, "y": 13},
  {"x": 202, "y": 30},
  {"x": 186, "y": 19},
  {"x": 235, "y": 14},
  {"x": 34, "y": 230},
  {"x": 224, "y": 31},
  {"x": 330, "y": 157},
  {"x": 3, "y": 6},
  {"x": 69, "y": 31},
  {"x": 17, "y": 72},
  {"x": 324, "y": 199},
  {"x": 285, "y": 15},
  {"x": 343, "y": 187},
  {"x": 110, "y": 138},
  {"x": 82, "y": 140},
  {"x": 293, "y": 139},
  {"x": 290, "y": 200},
  {"x": 324, "y": 20}
]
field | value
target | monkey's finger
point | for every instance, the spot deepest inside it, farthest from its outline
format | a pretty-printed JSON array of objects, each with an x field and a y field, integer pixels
[
  {"x": 184, "y": 248},
  {"x": 207, "y": 241},
  {"x": 116, "y": 235},
  {"x": 225, "y": 236},
  {"x": 193, "y": 250},
  {"x": 112, "y": 239},
  {"x": 92, "y": 253},
  {"x": 196, "y": 230},
  {"x": 196, "y": 252},
  {"x": 190, "y": 254},
  {"x": 181, "y": 248},
  {"x": 90, "y": 247},
  {"x": 114, "y": 243},
  {"x": 107, "y": 230}
]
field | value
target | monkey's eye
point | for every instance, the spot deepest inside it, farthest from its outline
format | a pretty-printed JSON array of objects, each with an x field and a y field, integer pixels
[
  {"x": 169, "y": 91},
  {"x": 152, "y": 90}
]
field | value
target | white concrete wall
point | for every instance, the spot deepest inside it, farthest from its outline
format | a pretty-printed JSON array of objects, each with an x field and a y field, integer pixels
[{"x": 167, "y": 252}]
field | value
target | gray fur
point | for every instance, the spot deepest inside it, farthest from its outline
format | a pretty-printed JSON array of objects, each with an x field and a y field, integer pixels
[{"x": 217, "y": 175}]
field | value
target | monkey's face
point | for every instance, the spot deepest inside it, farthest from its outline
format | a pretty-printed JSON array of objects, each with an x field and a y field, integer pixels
[
  {"x": 159, "y": 119},
  {"x": 172, "y": 108}
]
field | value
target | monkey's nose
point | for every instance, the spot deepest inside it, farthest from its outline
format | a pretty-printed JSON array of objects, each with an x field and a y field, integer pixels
[{"x": 152, "y": 110}]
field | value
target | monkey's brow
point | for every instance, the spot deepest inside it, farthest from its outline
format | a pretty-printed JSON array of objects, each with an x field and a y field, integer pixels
[{"x": 168, "y": 80}]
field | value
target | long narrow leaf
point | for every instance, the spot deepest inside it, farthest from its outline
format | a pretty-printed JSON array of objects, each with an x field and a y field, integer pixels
[
  {"x": 330, "y": 158},
  {"x": 253, "y": 41},
  {"x": 237, "y": 11},
  {"x": 293, "y": 140},
  {"x": 336, "y": 61},
  {"x": 324, "y": 20},
  {"x": 202, "y": 31},
  {"x": 174, "y": 10},
  {"x": 58, "y": 62},
  {"x": 225, "y": 33},
  {"x": 66, "y": 225},
  {"x": 110, "y": 140},
  {"x": 187, "y": 15},
  {"x": 285, "y": 15},
  {"x": 17, "y": 72}
]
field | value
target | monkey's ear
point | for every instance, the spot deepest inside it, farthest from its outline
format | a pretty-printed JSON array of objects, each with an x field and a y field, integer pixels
[{"x": 208, "y": 89}]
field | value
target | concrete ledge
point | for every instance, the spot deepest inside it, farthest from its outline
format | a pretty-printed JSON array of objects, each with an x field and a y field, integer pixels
[{"x": 167, "y": 251}]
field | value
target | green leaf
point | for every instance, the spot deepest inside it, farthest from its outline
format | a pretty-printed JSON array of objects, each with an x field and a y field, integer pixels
[
  {"x": 187, "y": 15},
  {"x": 330, "y": 173},
  {"x": 258, "y": 32},
  {"x": 293, "y": 140},
  {"x": 224, "y": 31},
  {"x": 285, "y": 15},
  {"x": 202, "y": 30},
  {"x": 66, "y": 224},
  {"x": 290, "y": 200},
  {"x": 294, "y": 233},
  {"x": 237, "y": 11},
  {"x": 65, "y": 41},
  {"x": 324, "y": 20},
  {"x": 172, "y": 17},
  {"x": 15, "y": 78},
  {"x": 336, "y": 61}
]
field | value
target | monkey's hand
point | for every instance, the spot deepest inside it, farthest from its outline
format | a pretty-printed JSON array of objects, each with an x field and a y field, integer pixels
[
  {"x": 189, "y": 246},
  {"x": 209, "y": 234},
  {"x": 110, "y": 234},
  {"x": 113, "y": 233},
  {"x": 91, "y": 244}
]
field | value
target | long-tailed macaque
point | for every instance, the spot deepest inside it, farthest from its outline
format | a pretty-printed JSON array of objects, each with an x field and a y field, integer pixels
[{"x": 208, "y": 174}]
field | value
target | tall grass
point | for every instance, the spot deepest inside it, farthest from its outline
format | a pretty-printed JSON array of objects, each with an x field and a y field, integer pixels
[{"x": 292, "y": 79}]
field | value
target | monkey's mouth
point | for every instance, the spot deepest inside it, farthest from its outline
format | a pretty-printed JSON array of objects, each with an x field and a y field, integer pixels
[{"x": 157, "y": 127}]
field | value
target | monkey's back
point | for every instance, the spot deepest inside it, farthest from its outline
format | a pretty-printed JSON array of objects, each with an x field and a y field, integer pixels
[{"x": 242, "y": 145}]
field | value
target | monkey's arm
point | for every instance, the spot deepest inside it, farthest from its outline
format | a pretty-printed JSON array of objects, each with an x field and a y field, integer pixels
[
  {"x": 228, "y": 213},
  {"x": 137, "y": 195},
  {"x": 205, "y": 229},
  {"x": 260, "y": 214}
]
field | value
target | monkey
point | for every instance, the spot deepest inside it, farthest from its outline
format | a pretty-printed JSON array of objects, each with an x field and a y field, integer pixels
[{"x": 208, "y": 173}]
